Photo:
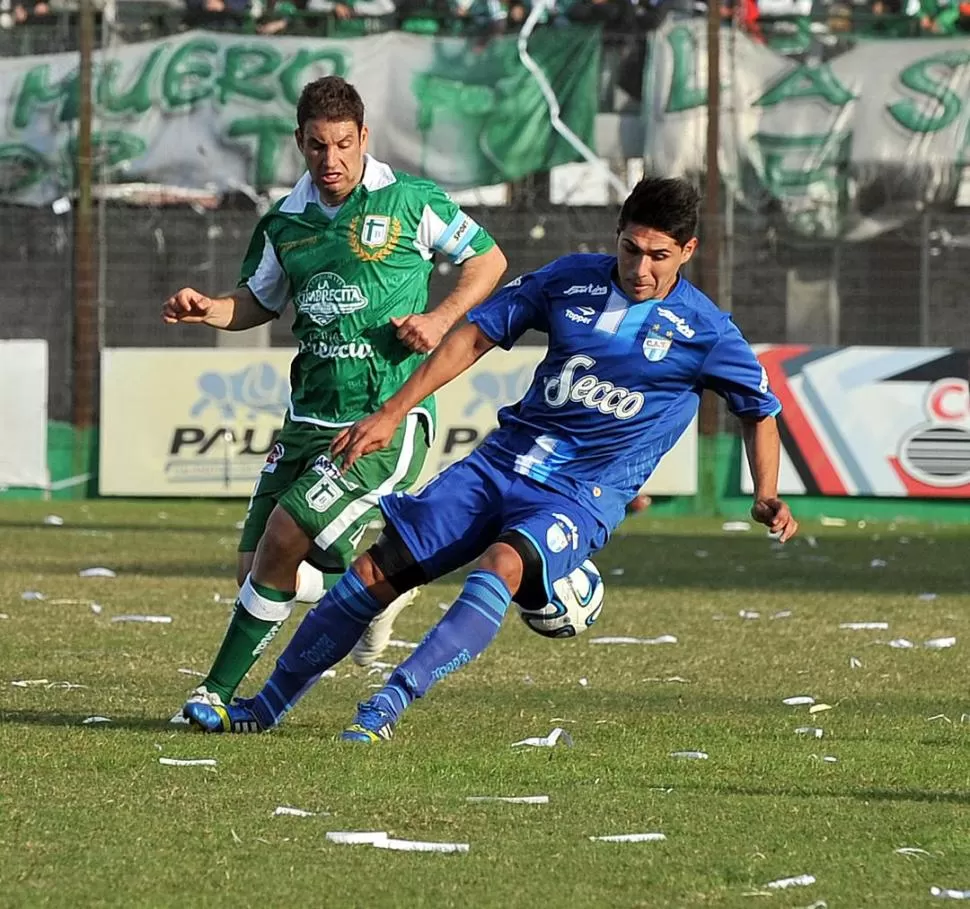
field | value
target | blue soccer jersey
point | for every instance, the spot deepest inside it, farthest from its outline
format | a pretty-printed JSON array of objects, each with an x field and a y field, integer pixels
[{"x": 620, "y": 382}]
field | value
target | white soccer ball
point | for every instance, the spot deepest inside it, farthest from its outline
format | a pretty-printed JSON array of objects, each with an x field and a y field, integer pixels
[{"x": 576, "y": 603}]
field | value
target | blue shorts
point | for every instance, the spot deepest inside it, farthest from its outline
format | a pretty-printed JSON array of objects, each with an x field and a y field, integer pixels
[{"x": 463, "y": 510}]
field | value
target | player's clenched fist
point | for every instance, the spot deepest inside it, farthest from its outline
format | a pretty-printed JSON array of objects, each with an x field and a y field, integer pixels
[
  {"x": 776, "y": 516},
  {"x": 422, "y": 332},
  {"x": 188, "y": 305}
]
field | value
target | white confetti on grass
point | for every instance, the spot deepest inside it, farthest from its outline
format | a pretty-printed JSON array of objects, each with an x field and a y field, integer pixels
[
  {"x": 864, "y": 626},
  {"x": 910, "y": 850},
  {"x": 54, "y": 520},
  {"x": 289, "y": 811},
  {"x": 940, "y": 643},
  {"x": 689, "y": 755},
  {"x": 32, "y": 595},
  {"x": 510, "y": 799},
  {"x": 878, "y": 563},
  {"x": 97, "y": 572},
  {"x": 812, "y": 731},
  {"x": 800, "y": 880},
  {"x": 819, "y": 708},
  {"x": 29, "y": 683},
  {"x": 421, "y": 846},
  {"x": 3, "y": 615},
  {"x": 901, "y": 644},
  {"x": 406, "y": 645},
  {"x": 945, "y": 893},
  {"x": 357, "y": 837},
  {"x": 187, "y": 762},
  {"x": 927, "y": 597},
  {"x": 546, "y": 741},
  {"x": 798, "y": 700},
  {"x": 855, "y": 663},
  {"x": 94, "y": 720},
  {"x": 832, "y": 522},
  {"x": 783, "y": 614},
  {"x": 630, "y": 838},
  {"x": 192, "y": 672},
  {"x": 96, "y": 608},
  {"x": 735, "y": 526},
  {"x": 146, "y": 619},
  {"x": 662, "y": 639}
]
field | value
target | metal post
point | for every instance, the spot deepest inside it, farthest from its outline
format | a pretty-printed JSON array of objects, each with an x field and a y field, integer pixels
[
  {"x": 710, "y": 255},
  {"x": 85, "y": 353},
  {"x": 924, "y": 280}
]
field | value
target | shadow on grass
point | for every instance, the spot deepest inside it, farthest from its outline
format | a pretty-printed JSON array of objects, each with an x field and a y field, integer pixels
[
  {"x": 40, "y": 718},
  {"x": 865, "y": 794}
]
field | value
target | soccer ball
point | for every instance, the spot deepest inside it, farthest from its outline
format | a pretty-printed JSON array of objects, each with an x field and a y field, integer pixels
[{"x": 576, "y": 603}]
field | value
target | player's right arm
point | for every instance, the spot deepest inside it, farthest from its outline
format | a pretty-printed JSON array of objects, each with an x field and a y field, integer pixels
[{"x": 236, "y": 312}]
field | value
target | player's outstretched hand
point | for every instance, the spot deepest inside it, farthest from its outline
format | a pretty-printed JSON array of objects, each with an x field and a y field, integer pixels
[
  {"x": 370, "y": 434},
  {"x": 188, "y": 305},
  {"x": 776, "y": 516},
  {"x": 422, "y": 332}
]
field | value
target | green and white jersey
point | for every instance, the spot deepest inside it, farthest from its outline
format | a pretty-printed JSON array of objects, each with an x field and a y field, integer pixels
[{"x": 347, "y": 270}]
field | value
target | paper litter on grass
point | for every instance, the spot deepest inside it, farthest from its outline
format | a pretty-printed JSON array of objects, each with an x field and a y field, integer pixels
[
  {"x": 546, "y": 741},
  {"x": 901, "y": 644},
  {"x": 819, "y": 708},
  {"x": 855, "y": 663},
  {"x": 357, "y": 837},
  {"x": 878, "y": 563},
  {"x": 630, "y": 838},
  {"x": 735, "y": 526},
  {"x": 748, "y": 614},
  {"x": 690, "y": 755},
  {"x": 96, "y": 608},
  {"x": 927, "y": 597},
  {"x": 944, "y": 893},
  {"x": 407, "y": 645},
  {"x": 29, "y": 683},
  {"x": 940, "y": 643},
  {"x": 3, "y": 615},
  {"x": 939, "y": 716},
  {"x": 98, "y": 572},
  {"x": 801, "y": 880},
  {"x": 150, "y": 619},
  {"x": 663, "y": 639},
  {"x": 29, "y": 595},
  {"x": 783, "y": 614},
  {"x": 617, "y": 572},
  {"x": 54, "y": 520},
  {"x": 864, "y": 626},
  {"x": 287, "y": 811},
  {"x": 813, "y": 731},
  {"x": 511, "y": 799},
  {"x": 187, "y": 762},
  {"x": 419, "y": 846},
  {"x": 669, "y": 678},
  {"x": 829, "y": 759},
  {"x": 584, "y": 682},
  {"x": 832, "y": 522},
  {"x": 92, "y": 720},
  {"x": 798, "y": 701},
  {"x": 910, "y": 850},
  {"x": 192, "y": 672}
]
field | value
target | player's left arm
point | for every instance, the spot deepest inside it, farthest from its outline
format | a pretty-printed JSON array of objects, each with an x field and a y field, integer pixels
[
  {"x": 446, "y": 230},
  {"x": 732, "y": 370}
]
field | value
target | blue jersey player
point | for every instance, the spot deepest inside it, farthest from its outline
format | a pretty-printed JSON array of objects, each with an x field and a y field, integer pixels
[{"x": 632, "y": 345}]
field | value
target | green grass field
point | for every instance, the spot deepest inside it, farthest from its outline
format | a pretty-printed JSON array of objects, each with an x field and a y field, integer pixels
[{"x": 91, "y": 818}]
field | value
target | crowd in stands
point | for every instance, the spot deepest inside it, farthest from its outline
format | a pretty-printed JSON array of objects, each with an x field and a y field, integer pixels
[{"x": 783, "y": 24}]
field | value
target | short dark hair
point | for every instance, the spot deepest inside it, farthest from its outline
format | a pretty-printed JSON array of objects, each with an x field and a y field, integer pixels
[
  {"x": 330, "y": 98},
  {"x": 667, "y": 204}
]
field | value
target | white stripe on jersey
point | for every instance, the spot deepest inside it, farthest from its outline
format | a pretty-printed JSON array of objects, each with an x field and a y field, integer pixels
[
  {"x": 612, "y": 317},
  {"x": 269, "y": 283}
]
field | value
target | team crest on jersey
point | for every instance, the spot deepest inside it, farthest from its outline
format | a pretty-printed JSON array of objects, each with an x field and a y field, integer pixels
[
  {"x": 374, "y": 238},
  {"x": 657, "y": 343}
]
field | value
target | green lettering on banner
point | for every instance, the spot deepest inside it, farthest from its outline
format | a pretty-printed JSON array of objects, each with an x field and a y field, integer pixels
[
  {"x": 291, "y": 78},
  {"x": 820, "y": 158},
  {"x": 439, "y": 92},
  {"x": 244, "y": 67},
  {"x": 925, "y": 78},
  {"x": 187, "y": 79},
  {"x": 269, "y": 133},
  {"x": 685, "y": 93},
  {"x": 37, "y": 91},
  {"x": 807, "y": 82},
  {"x": 137, "y": 98},
  {"x": 20, "y": 167}
]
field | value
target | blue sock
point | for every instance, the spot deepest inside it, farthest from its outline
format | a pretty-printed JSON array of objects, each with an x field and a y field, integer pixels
[
  {"x": 325, "y": 636},
  {"x": 462, "y": 634}
]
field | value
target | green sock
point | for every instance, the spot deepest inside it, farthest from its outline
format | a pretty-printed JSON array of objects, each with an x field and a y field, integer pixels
[{"x": 246, "y": 638}]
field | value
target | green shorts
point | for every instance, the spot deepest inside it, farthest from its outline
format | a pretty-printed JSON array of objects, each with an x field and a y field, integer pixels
[{"x": 332, "y": 509}]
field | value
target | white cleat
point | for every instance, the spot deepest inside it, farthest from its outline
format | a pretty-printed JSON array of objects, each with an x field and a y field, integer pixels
[{"x": 373, "y": 642}]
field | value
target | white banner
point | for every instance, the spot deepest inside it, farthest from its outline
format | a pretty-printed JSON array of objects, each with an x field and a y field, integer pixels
[
  {"x": 871, "y": 421},
  {"x": 23, "y": 413},
  {"x": 200, "y": 422},
  {"x": 854, "y": 144}
]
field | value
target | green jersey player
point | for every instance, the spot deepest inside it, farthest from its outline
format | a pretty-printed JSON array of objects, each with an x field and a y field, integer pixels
[{"x": 351, "y": 248}]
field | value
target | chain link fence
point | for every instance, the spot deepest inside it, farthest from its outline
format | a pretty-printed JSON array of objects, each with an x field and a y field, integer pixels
[{"x": 905, "y": 288}]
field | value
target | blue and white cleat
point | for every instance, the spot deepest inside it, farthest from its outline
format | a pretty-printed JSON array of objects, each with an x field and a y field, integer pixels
[
  {"x": 372, "y": 724},
  {"x": 237, "y": 718}
]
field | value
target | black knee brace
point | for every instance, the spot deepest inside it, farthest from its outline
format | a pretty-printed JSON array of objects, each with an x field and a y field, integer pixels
[
  {"x": 392, "y": 556},
  {"x": 532, "y": 591}
]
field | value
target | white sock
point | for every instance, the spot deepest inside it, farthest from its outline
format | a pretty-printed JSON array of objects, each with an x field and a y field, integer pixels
[{"x": 309, "y": 584}]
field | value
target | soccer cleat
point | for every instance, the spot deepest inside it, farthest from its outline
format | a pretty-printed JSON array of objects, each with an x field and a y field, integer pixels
[
  {"x": 373, "y": 642},
  {"x": 237, "y": 718},
  {"x": 200, "y": 695},
  {"x": 372, "y": 724}
]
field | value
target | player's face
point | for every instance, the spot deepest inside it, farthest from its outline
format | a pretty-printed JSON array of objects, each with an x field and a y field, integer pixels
[
  {"x": 334, "y": 155},
  {"x": 648, "y": 261}
]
